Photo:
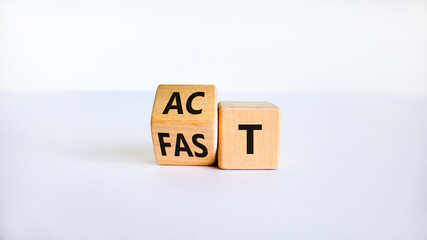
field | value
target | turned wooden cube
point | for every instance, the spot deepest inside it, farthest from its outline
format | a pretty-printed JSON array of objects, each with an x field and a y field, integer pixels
[
  {"x": 249, "y": 135},
  {"x": 184, "y": 124}
]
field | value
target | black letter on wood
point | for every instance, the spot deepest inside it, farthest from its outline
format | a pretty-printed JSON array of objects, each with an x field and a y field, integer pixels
[
  {"x": 163, "y": 145},
  {"x": 250, "y": 135},
  {"x": 201, "y": 146},
  {"x": 180, "y": 138},
  {"x": 190, "y": 100},
  {"x": 178, "y": 105}
]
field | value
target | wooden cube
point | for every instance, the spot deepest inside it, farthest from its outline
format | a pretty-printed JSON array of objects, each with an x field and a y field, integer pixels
[
  {"x": 249, "y": 135},
  {"x": 184, "y": 124}
]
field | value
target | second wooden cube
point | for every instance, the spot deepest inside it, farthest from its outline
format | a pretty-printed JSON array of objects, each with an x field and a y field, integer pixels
[{"x": 249, "y": 135}]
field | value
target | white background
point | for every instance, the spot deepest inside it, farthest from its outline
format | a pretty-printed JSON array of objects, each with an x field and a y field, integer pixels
[
  {"x": 360, "y": 47},
  {"x": 77, "y": 161}
]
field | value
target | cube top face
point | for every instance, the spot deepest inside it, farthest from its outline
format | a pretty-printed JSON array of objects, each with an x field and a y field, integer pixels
[
  {"x": 178, "y": 104},
  {"x": 184, "y": 125},
  {"x": 249, "y": 135},
  {"x": 246, "y": 105}
]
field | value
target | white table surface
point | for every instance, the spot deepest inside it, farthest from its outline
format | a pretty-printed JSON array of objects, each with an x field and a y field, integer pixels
[{"x": 81, "y": 166}]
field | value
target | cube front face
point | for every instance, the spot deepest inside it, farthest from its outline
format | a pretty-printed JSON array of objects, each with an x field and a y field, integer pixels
[
  {"x": 249, "y": 135},
  {"x": 184, "y": 124}
]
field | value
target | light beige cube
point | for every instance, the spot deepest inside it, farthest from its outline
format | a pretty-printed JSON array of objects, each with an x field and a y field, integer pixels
[
  {"x": 184, "y": 124},
  {"x": 249, "y": 135}
]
